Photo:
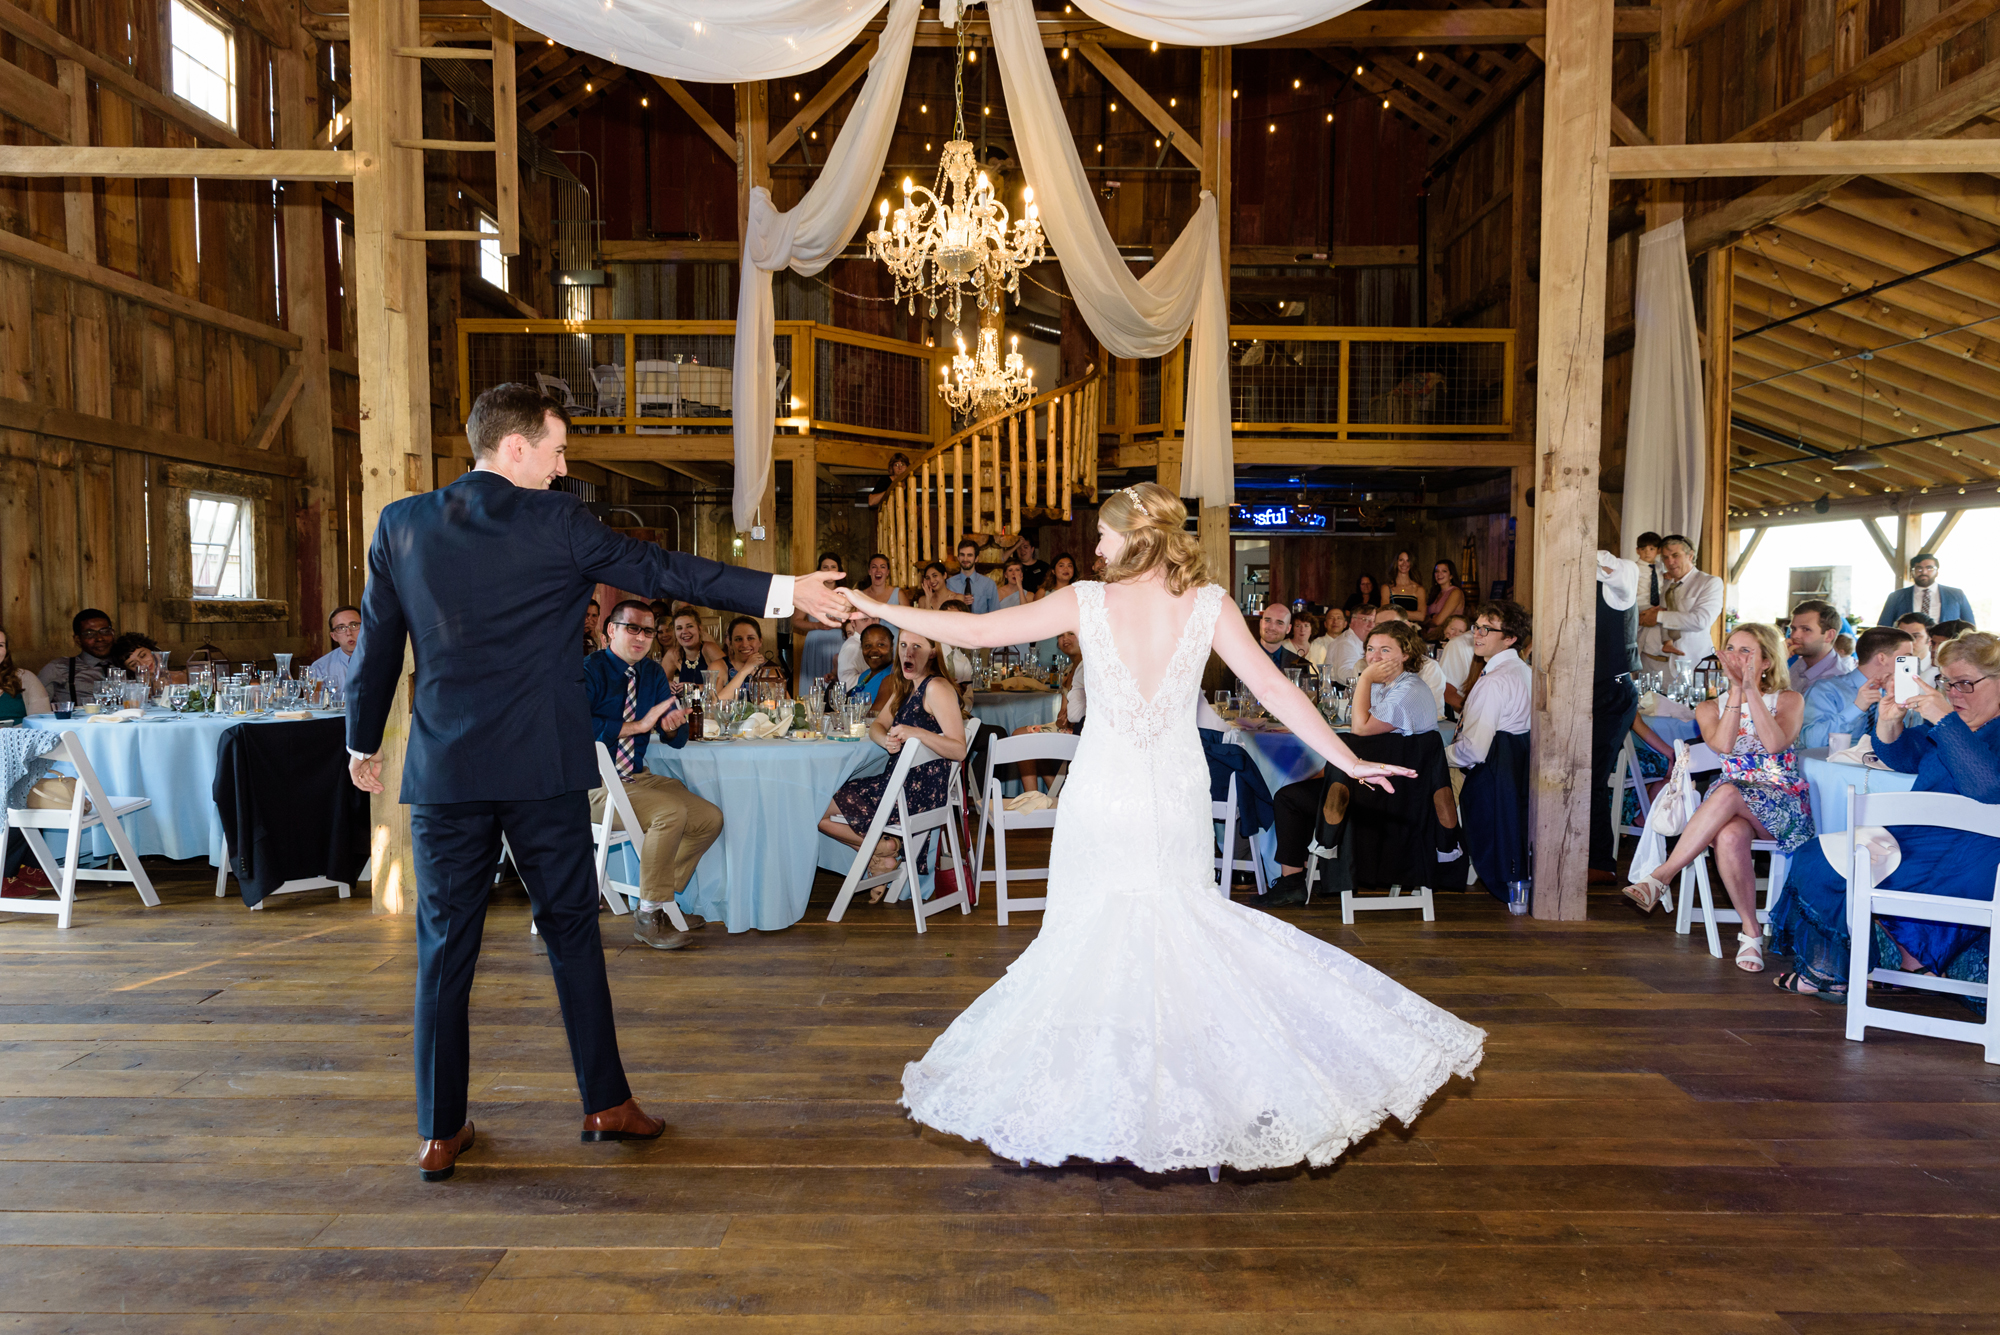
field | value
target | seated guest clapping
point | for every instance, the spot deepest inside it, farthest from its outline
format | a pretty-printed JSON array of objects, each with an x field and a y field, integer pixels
[
  {"x": 631, "y": 702},
  {"x": 1947, "y": 739},
  {"x": 1754, "y": 727},
  {"x": 21, "y": 693},
  {"x": 920, "y": 704},
  {"x": 331, "y": 667},
  {"x": 692, "y": 653},
  {"x": 1845, "y": 703},
  {"x": 746, "y": 661}
]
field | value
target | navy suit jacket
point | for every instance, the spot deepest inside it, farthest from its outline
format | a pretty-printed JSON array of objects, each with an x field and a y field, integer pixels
[
  {"x": 488, "y": 582},
  {"x": 1951, "y": 602}
]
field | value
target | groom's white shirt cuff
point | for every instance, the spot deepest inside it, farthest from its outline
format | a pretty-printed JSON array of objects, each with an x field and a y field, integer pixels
[{"x": 778, "y": 602}]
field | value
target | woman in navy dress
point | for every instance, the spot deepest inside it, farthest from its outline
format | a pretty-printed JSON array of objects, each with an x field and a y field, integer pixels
[
  {"x": 1946, "y": 737},
  {"x": 919, "y": 704}
]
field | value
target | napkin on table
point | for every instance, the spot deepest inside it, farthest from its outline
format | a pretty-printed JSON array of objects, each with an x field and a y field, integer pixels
[
  {"x": 117, "y": 716},
  {"x": 1861, "y": 753}
]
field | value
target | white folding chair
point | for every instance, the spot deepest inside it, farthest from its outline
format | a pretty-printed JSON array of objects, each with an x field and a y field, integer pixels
[
  {"x": 1865, "y": 902},
  {"x": 289, "y": 887},
  {"x": 1227, "y": 864},
  {"x": 1628, "y": 777},
  {"x": 609, "y": 382},
  {"x": 1697, "y": 900},
  {"x": 90, "y": 809},
  {"x": 556, "y": 388},
  {"x": 993, "y": 815},
  {"x": 620, "y": 826},
  {"x": 893, "y": 816}
]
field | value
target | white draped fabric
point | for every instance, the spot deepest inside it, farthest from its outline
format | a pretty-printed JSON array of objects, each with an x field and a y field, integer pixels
[
  {"x": 1664, "y": 441},
  {"x": 806, "y": 240},
  {"x": 1213, "y": 22},
  {"x": 701, "y": 40},
  {"x": 1132, "y": 317}
]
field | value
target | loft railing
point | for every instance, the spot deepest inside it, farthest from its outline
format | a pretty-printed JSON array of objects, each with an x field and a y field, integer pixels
[
  {"x": 996, "y": 474},
  {"x": 673, "y": 377},
  {"x": 1335, "y": 382}
]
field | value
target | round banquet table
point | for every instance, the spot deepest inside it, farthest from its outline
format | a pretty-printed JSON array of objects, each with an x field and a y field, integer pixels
[
  {"x": 1004, "y": 711},
  {"x": 164, "y": 756},
  {"x": 759, "y": 874}
]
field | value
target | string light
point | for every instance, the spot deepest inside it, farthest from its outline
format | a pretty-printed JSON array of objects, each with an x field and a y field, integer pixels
[
  {"x": 1156, "y": 46},
  {"x": 644, "y": 102},
  {"x": 1274, "y": 127},
  {"x": 1065, "y": 48}
]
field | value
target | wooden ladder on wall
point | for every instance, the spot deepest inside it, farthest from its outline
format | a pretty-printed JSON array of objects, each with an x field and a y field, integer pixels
[{"x": 506, "y": 145}]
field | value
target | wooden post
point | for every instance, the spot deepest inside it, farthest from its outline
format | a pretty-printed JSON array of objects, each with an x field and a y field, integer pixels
[
  {"x": 753, "y": 169},
  {"x": 1719, "y": 297},
  {"x": 392, "y": 330},
  {"x": 1217, "y": 75},
  {"x": 304, "y": 231},
  {"x": 1524, "y": 310},
  {"x": 1576, "y": 203},
  {"x": 79, "y": 203},
  {"x": 1666, "y": 105}
]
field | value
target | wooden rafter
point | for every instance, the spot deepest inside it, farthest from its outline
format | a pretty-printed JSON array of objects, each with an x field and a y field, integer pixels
[
  {"x": 282, "y": 164},
  {"x": 554, "y": 78},
  {"x": 1428, "y": 87},
  {"x": 1773, "y": 289},
  {"x": 590, "y": 90},
  {"x": 1405, "y": 103},
  {"x": 703, "y": 121},
  {"x": 1182, "y": 139},
  {"x": 822, "y": 101}
]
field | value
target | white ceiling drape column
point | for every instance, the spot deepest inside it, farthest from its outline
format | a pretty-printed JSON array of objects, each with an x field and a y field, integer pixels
[
  {"x": 1132, "y": 317},
  {"x": 806, "y": 240},
  {"x": 740, "y": 42},
  {"x": 1665, "y": 455}
]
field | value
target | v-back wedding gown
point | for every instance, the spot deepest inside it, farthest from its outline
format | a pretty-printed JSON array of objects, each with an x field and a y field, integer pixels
[{"x": 1153, "y": 1020}]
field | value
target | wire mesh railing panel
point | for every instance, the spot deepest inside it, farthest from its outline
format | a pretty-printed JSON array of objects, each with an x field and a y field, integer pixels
[
  {"x": 1393, "y": 384},
  {"x": 1148, "y": 407},
  {"x": 561, "y": 363},
  {"x": 1292, "y": 380},
  {"x": 872, "y": 389},
  {"x": 685, "y": 376}
]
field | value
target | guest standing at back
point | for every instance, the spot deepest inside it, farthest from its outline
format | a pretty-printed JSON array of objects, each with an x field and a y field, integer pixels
[{"x": 487, "y": 580}]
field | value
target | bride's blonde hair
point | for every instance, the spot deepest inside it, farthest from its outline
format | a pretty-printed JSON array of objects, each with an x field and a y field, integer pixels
[{"x": 1153, "y": 521}]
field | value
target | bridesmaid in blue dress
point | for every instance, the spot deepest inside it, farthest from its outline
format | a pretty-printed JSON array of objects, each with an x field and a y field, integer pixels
[{"x": 1947, "y": 738}]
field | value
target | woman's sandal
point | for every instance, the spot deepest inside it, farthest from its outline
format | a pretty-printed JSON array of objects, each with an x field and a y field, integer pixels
[
  {"x": 1750, "y": 953},
  {"x": 1645, "y": 894},
  {"x": 881, "y": 864},
  {"x": 1789, "y": 981}
]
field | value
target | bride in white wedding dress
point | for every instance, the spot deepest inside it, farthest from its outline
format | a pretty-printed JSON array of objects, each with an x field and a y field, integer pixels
[{"x": 1153, "y": 1020}]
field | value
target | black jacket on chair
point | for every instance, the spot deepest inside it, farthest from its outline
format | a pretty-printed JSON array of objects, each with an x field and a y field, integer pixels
[
  {"x": 1494, "y": 807},
  {"x": 1393, "y": 837},
  {"x": 289, "y": 810},
  {"x": 488, "y": 582}
]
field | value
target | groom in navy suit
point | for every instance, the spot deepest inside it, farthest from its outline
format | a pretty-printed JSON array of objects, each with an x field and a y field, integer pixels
[{"x": 487, "y": 578}]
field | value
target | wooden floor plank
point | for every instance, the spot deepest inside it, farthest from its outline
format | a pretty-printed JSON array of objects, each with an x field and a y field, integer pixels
[{"x": 205, "y": 1114}]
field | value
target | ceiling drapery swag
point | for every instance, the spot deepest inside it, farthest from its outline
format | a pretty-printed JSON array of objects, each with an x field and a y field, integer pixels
[
  {"x": 739, "y": 42},
  {"x": 806, "y": 240},
  {"x": 1665, "y": 453},
  {"x": 1132, "y": 317}
]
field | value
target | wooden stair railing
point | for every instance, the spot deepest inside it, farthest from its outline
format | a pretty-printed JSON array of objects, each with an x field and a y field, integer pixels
[{"x": 994, "y": 474}]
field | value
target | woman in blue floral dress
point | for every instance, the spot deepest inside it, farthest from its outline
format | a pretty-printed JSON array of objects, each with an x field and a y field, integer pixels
[{"x": 1761, "y": 793}]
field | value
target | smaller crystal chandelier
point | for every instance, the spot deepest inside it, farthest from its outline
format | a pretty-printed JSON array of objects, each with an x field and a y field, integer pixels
[
  {"x": 977, "y": 386},
  {"x": 956, "y": 235}
]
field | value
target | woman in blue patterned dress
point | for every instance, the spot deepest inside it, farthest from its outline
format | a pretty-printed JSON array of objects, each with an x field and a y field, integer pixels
[{"x": 1761, "y": 794}]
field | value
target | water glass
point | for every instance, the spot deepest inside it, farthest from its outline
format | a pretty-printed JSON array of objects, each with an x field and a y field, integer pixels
[
  {"x": 177, "y": 698},
  {"x": 1520, "y": 895},
  {"x": 284, "y": 662},
  {"x": 133, "y": 695}
]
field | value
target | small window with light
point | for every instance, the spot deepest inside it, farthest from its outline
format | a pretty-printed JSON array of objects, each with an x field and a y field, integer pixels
[
  {"x": 492, "y": 264},
  {"x": 221, "y": 550},
  {"x": 204, "y": 60}
]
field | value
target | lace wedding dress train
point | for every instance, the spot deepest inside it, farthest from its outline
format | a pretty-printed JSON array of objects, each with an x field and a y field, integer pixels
[{"x": 1153, "y": 1020}]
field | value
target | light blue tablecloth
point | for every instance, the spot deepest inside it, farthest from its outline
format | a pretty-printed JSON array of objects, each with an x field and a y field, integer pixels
[
  {"x": 167, "y": 757},
  {"x": 1004, "y": 711},
  {"x": 759, "y": 874}
]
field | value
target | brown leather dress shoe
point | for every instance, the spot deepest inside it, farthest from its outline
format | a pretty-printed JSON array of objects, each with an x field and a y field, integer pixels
[
  {"x": 438, "y": 1159},
  {"x": 628, "y": 1121}
]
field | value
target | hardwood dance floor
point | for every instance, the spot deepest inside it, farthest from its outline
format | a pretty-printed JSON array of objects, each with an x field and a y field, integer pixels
[{"x": 205, "y": 1114}]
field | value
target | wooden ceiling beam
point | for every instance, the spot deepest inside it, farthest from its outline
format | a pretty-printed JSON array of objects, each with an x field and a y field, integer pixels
[
  {"x": 1429, "y": 88},
  {"x": 822, "y": 101},
  {"x": 1974, "y": 194},
  {"x": 1803, "y": 157},
  {"x": 1830, "y": 385},
  {"x": 1704, "y": 19},
  {"x": 1971, "y": 287},
  {"x": 1952, "y": 230},
  {"x": 1858, "y": 325},
  {"x": 1940, "y": 28},
  {"x": 1937, "y": 307},
  {"x": 574, "y": 100},
  {"x": 1178, "y": 135},
  {"x": 1402, "y": 102},
  {"x": 554, "y": 78},
  {"x": 1826, "y": 406},
  {"x": 704, "y": 122}
]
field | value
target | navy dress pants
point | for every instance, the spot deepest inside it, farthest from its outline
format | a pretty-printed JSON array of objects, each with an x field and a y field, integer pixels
[{"x": 457, "y": 845}]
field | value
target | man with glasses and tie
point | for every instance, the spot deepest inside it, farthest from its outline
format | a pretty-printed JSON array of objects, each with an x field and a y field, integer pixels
[
  {"x": 631, "y": 702},
  {"x": 1924, "y": 595}
]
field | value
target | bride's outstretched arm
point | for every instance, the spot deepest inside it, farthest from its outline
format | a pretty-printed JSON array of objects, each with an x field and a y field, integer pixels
[
  {"x": 1287, "y": 703},
  {"x": 1043, "y": 619}
]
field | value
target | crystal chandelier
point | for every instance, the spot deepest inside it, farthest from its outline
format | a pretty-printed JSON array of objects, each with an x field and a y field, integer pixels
[
  {"x": 982, "y": 385},
  {"x": 956, "y": 236}
]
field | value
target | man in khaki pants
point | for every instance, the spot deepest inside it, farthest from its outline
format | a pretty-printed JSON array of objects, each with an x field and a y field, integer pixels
[{"x": 631, "y": 701}]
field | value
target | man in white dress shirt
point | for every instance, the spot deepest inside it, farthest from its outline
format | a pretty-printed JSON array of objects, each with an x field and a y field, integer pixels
[
  {"x": 1502, "y": 695},
  {"x": 1343, "y": 656},
  {"x": 1690, "y": 601},
  {"x": 331, "y": 667},
  {"x": 1455, "y": 659},
  {"x": 978, "y": 590}
]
